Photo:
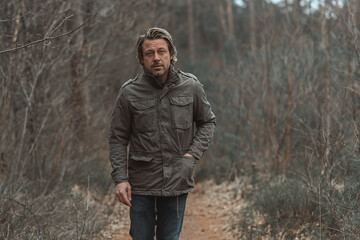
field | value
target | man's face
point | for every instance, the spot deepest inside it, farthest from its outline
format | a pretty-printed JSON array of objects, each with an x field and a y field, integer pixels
[{"x": 156, "y": 58}]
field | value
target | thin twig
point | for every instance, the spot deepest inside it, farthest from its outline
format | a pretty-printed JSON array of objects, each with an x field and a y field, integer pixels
[
  {"x": 33, "y": 215},
  {"x": 35, "y": 141},
  {"x": 58, "y": 26},
  {"x": 47, "y": 38},
  {"x": 14, "y": 18}
]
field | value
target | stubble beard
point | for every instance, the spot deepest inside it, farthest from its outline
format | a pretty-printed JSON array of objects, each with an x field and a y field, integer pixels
[{"x": 158, "y": 73}]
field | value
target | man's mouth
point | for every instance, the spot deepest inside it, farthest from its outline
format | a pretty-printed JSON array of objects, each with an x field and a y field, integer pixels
[{"x": 156, "y": 66}]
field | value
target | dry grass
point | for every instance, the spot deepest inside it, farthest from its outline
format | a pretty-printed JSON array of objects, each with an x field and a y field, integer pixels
[{"x": 61, "y": 214}]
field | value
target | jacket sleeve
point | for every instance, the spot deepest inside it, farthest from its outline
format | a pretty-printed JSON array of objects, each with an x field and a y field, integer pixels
[
  {"x": 205, "y": 123},
  {"x": 120, "y": 128}
]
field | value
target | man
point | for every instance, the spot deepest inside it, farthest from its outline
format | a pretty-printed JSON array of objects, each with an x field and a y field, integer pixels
[{"x": 165, "y": 118}]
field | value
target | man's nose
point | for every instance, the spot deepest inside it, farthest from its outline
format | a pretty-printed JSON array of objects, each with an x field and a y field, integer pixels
[{"x": 156, "y": 57}]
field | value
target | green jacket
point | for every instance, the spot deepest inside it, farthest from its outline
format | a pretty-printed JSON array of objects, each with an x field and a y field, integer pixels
[{"x": 160, "y": 124}]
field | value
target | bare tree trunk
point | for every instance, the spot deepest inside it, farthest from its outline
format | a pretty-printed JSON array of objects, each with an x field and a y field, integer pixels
[
  {"x": 355, "y": 107},
  {"x": 252, "y": 26},
  {"x": 270, "y": 109},
  {"x": 293, "y": 34},
  {"x": 222, "y": 20},
  {"x": 5, "y": 122},
  {"x": 288, "y": 106},
  {"x": 296, "y": 13},
  {"x": 230, "y": 18},
  {"x": 9, "y": 81},
  {"x": 353, "y": 43},
  {"x": 191, "y": 38},
  {"x": 324, "y": 45}
]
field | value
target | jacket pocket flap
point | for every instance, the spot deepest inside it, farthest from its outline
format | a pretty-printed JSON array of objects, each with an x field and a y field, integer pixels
[
  {"x": 181, "y": 101},
  {"x": 143, "y": 104},
  {"x": 143, "y": 159}
]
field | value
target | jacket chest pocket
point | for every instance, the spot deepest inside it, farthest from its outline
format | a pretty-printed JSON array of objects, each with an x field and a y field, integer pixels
[
  {"x": 144, "y": 113},
  {"x": 182, "y": 112}
]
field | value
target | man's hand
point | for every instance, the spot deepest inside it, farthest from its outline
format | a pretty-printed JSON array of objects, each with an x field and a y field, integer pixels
[
  {"x": 188, "y": 155},
  {"x": 123, "y": 193}
]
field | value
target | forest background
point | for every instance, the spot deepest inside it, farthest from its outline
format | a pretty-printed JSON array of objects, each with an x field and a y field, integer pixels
[{"x": 282, "y": 78}]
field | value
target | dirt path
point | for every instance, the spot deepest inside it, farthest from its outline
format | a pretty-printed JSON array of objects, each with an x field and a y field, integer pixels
[
  {"x": 204, "y": 219},
  {"x": 206, "y": 216}
]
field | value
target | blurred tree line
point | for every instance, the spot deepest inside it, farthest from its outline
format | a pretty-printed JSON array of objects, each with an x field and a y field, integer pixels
[{"x": 283, "y": 80}]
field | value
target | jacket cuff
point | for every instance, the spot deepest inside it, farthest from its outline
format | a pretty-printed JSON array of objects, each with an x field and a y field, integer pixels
[
  {"x": 118, "y": 181},
  {"x": 196, "y": 153}
]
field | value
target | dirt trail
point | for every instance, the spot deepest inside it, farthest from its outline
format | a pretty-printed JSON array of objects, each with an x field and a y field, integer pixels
[
  {"x": 206, "y": 216},
  {"x": 204, "y": 219}
]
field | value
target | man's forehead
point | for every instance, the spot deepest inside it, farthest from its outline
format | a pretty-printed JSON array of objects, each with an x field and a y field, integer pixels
[{"x": 156, "y": 43}]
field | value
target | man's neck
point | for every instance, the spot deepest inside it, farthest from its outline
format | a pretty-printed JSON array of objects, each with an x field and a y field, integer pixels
[{"x": 162, "y": 79}]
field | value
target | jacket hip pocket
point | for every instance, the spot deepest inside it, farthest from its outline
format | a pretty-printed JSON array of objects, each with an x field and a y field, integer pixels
[
  {"x": 182, "y": 112},
  {"x": 186, "y": 169},
  {"x": 144, "y": 113},
  {"x": 144, "y": 172}
]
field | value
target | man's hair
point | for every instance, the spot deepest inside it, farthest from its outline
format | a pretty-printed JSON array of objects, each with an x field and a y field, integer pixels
[{"x": 152, "y": 34}]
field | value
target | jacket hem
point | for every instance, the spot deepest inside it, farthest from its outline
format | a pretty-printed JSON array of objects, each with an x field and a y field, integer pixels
[{"x": 161, "y": 193}]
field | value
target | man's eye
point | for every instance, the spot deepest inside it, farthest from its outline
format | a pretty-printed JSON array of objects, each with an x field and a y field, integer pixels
[{"x": 148, "y": 54}]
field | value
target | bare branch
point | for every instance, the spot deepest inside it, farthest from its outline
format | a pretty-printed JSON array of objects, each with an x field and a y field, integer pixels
[
  {"x": 46, "y": 39},
  {"x": 62, "y": 22},
  {"x": 14, "y": 18},
  {"x": 36, "y": 140}
]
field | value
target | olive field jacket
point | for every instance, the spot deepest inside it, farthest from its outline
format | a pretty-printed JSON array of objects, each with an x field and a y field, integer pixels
[{"x": 160, "y": 123}]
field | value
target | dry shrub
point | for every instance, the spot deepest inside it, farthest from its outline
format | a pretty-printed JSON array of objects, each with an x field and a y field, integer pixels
[{"x": 62, "y": 214}]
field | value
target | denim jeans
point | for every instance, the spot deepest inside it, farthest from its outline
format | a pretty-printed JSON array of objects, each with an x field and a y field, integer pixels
[{"x": 166, "y": 213}]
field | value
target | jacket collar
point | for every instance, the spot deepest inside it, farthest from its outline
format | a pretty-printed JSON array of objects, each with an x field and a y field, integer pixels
[{"x": 172, "y": 79}]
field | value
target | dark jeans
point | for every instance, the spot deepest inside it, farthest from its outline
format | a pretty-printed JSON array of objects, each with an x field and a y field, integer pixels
[{"x": 167, "y": 213}]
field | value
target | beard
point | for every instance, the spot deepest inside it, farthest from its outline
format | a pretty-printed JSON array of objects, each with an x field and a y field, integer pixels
[{"x": 157, "y": 73}]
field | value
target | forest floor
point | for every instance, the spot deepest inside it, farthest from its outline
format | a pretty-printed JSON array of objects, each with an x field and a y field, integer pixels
[{"x": 208, "y": 215}]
